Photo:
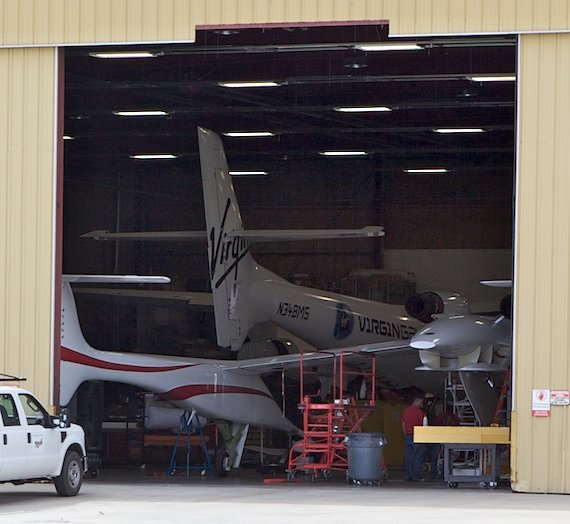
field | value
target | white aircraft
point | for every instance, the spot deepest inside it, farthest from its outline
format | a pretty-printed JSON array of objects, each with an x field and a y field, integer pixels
[
  {"x": 468, "y": 342},
  {"x": 244, "y": 295},
  {"x": 478, "y": 347},
  {"x": 230, "y": 392}
]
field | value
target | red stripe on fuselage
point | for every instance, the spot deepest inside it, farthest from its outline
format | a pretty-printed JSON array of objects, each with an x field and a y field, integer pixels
[
  {"x": 188, "y": 391},
  {"x": 70, "y": 355}
]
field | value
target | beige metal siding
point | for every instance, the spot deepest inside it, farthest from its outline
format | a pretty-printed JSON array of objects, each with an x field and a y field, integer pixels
[
  {"x": 542, "y": 456},
  {"x": 26, "y": 209},
  {"x": 56, "y": 22}
]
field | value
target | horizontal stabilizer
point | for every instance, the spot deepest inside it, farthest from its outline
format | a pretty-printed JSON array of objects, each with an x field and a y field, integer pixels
[
  {"x": 159, "y": 236},
  {"x": 189, "y": 298},
  {"x": 253, "y": 235},
  {"x": 271, "y": 235},
  {"x": 116, "y": 279}
]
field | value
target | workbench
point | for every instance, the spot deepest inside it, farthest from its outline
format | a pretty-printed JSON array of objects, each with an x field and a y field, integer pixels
[{"x": 469, "y": 453}]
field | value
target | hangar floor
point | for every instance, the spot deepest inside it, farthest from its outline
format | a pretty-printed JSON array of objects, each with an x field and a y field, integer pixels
[{"x": 122, "y": 496}]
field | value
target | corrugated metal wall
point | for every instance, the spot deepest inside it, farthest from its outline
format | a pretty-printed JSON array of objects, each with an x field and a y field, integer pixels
[
  {"x": 542, "y": 262},
  {"x": 45, "y": 22},
  {"x": 541, "y": 461},
  {"x": 26, "y": 209}
]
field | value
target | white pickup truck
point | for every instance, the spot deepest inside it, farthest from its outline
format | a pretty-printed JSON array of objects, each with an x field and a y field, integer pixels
[{"x": 35, "y": 446}]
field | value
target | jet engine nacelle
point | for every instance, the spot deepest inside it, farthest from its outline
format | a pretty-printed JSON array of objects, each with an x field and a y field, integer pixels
[{"x": 429, "y": 305}]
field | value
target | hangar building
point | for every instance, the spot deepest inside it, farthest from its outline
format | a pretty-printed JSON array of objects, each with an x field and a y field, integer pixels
[{"x": 503, "y": 206}]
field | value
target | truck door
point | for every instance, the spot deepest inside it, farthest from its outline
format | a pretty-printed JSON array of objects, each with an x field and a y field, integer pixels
[
  {"x": 43, "y": 440},
  {"x": 13, "y": 440}
]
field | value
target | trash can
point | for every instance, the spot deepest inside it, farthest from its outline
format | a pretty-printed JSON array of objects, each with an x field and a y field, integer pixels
[{"x": 365, "y": 460}]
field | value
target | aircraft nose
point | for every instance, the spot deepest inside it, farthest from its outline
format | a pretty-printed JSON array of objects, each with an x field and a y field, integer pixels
[{"x": 422, "y": 344}]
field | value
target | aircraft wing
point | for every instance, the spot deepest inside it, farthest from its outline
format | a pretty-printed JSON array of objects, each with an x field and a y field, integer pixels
[
  {"x": 478, "y": 366},
  {"x": 115, "y": 279},
  {"x": 253, "y": 235},
  {"x": 497, "y": 283},
  {"x": 292, "y": 361}
]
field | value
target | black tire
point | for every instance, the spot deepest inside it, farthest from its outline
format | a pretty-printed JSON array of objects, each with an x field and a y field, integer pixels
[
  {"x": 69, "y": 482},
  {"x": 222, "y": 464}
]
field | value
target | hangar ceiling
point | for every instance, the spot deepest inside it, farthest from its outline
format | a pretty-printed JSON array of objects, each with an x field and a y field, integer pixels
[{"x": 317, "y": 70}]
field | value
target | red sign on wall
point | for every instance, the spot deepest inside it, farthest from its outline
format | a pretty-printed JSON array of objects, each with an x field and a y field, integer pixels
[{"x": 541, "y": 403}]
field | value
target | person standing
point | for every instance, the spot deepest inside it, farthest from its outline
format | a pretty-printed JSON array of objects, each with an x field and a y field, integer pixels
[{"x": 412, "y": 416}]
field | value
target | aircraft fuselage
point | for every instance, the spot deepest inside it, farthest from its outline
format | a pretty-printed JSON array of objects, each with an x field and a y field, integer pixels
[{"x": 330, "y": 320}]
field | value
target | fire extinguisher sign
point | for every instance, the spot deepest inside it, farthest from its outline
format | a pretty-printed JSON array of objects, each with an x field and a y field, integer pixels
[{"x": 541, "y": 403}]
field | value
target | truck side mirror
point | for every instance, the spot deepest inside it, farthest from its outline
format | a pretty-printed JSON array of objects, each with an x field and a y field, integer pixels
[{"x": 63, "y": 421}]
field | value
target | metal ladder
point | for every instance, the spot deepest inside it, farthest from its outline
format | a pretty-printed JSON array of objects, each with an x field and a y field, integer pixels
[
  {"x": 326, "y": 424},
  {"x": 456, "y": 397},
  {"x": 501, "y": 417}
]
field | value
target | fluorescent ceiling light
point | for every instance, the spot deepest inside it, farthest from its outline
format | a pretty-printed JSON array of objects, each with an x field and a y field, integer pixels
[
  {"x": 261, "y": 83},
  {"x": 388, "y": 47},
  {"x": 362, "y": 109},
  {"x": 451, "y": 130},
  {"x": 343, "y": 153},
  {"x": 125, "y": 54},
  {"x": 68, "y": 137},
  {"x": 226, "y": 32},
  {"x": 248, "y": 173},
  {"x": 427, "y": 170},
  {"x": 491, "y": 78},
  {"x": 158, "y": 156},
  {"x": 141, "y": 113},
  {"x": 241, "y": 134}
]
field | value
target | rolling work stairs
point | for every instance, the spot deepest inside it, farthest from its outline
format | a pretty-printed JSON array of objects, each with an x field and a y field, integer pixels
[{"x": 326, "y": 423}]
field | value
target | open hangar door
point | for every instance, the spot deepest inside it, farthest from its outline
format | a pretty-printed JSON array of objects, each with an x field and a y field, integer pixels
[{"x": 434, "y": 126}]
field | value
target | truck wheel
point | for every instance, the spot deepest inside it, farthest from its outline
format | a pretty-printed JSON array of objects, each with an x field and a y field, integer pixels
[{"x": 69, "y": 482}]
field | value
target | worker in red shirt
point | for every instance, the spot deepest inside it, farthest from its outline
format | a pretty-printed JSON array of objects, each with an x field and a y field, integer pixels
[{"x": 412, "y": 416}]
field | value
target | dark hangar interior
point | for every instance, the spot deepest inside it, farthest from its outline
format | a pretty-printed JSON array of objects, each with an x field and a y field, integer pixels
[{"x": 317, "y": 71}]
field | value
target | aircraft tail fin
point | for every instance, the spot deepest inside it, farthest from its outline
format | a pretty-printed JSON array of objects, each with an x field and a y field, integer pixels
[
  {"x": 74, "y": 348},
  {"x": 72, "y": 340},
  {"x": 232, "y": 270}
]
